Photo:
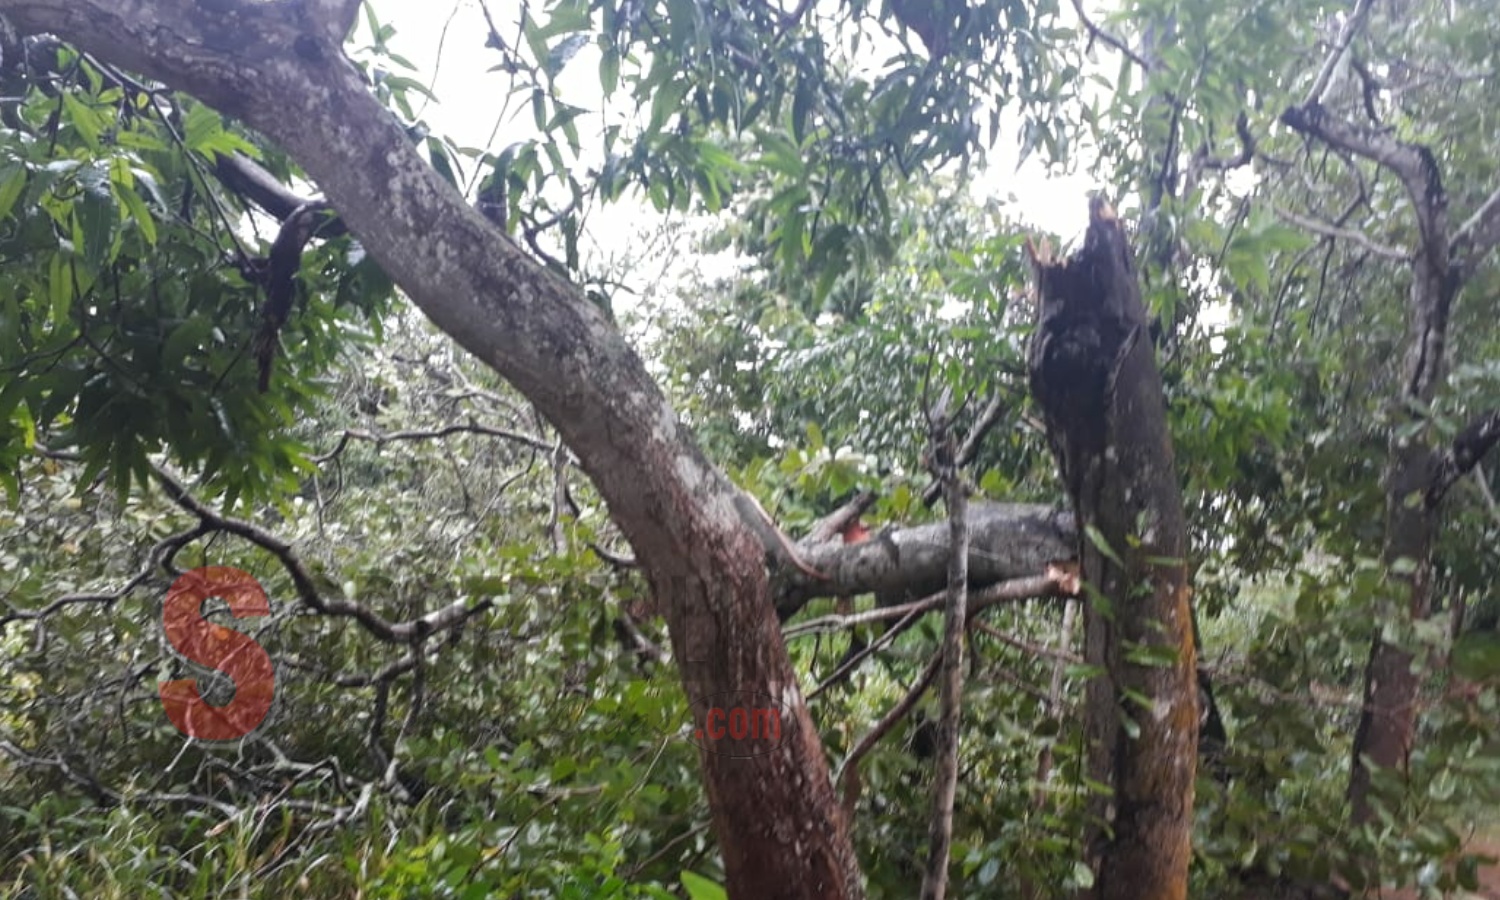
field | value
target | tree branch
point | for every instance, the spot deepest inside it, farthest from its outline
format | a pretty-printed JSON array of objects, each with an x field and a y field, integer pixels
[
  {"x": 1477, "y": 236},
  {"x": 989, "y": 417},
  {"x": 1330, "y": 230},
  {"x": 378, "y": 439},
  {"x": 1007, "y": 540},
  {"x": 1468, "y": 448},
  {"x": 848, "y": 774},
  {"x": 1099, "y": 34},
  {"x": 1412, "y": 163},
  {"x": 1322, "y": 86},
  {"x": 943, "y": 453},
  {"x": 409, "y": 632}
]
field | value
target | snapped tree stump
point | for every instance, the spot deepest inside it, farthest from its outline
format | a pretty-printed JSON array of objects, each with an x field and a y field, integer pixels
[{"x": 1094, "y": 375}]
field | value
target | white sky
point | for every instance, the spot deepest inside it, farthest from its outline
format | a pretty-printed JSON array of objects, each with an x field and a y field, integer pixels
[{"x": 451, "y": 33}]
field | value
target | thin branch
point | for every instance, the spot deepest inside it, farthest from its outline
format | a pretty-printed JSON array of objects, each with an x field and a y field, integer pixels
[
  {"x": 1202, "y": 159},
  {"x": 1322, "y": 86},
  {"x": 1330, "y": 230},
  {"x": 1484, "y": 490},
  {"x": 848, "y": 773},
  {"x": 471, "y": 427},
  {"x": 1054, "y": 694},
  {"x": 989, "y": 417},
  {"x": 944, "y": 456},
  {"x": 160, "y": 555},
  {"x": 1059, "y": 654},
  {"x": 1099, "y": 34},
  {"x": 409, "y": 632},
  {"x": 1030, "y": 587}
]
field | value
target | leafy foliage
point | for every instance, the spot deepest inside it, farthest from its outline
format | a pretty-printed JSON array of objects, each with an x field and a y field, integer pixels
[{"x": 535, "y": 751}]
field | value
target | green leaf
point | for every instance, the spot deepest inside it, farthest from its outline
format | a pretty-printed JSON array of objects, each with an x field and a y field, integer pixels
[
  {"x": 200, "y": 127},
  {"x": 184, "y": 340},
  {"x": 1096, "y": 537},
  {"x": 85, "y": 120},
  {"x": 609, "y": 69},
  {"x": 12, "y": 183},
  {"x": 700, "y": 888},
  {"x": 1476, "y": 656},
  {"x": 802, "y": 102},
  {"x": 96, "y": 218},
  {"x": 404, "y": 84}
]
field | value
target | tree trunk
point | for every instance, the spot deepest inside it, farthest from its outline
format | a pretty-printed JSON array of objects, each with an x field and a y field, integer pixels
[
  {"x": 1387, "y": 721},
  {"x": 279, "y": 66},
  {"x": 1094, "y": 375}
]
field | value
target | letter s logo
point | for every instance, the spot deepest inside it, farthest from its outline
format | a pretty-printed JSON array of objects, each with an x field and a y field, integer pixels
[{"x": 236, "y": 655}]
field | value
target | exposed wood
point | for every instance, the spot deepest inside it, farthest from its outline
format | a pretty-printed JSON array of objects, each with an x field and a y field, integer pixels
[{"x": 1006, "y": 540}]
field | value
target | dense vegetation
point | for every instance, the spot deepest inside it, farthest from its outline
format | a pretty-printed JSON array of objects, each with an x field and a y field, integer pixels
[{"x": 1313, "y": 195}]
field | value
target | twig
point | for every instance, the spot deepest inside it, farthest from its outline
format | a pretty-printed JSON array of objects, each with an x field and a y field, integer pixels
[
  {"x": 412, "y": 631},
  {"x": 1484, "y": 490},
  {"x": 849, "y": 770},
  {"x": 1030, "y": 587},
  {"x": 471, "y": 427},
  {"x": 1099, "y": 34},
  {"x": 969, "y": 450}
]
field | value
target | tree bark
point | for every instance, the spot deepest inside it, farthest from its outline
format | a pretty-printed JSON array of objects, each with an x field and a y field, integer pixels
[
  {"x": 1006, "y": 540},
  {"x": 1094, "y": 375},
  {"x": 279, "y": 67}
]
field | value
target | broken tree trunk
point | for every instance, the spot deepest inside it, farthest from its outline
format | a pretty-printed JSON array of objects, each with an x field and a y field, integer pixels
[{"x": 1094, "y": 375}]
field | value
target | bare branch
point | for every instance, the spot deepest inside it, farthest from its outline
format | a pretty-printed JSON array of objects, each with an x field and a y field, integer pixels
[
  {"x": 1029, "y": 588},
  {"x": 989, "y": 417},
  {"x": 1322, "y": 86},
  {"x": 412, "y": 631},
  {"x": 1484, "y": 491},
  {"x": 848, "y": 774},
  {"x": 1330, "y": 230},
  {"x": 160, "y": 555},
  {"x": 1054, "y": 692},
  {"x": 1202, "y": 159},
  {"x": 277, "y": 275},
  {"x": 1059, "y": 654},
  {"x": 359, "y": 434},
  {"x": 945, "y": 468}
]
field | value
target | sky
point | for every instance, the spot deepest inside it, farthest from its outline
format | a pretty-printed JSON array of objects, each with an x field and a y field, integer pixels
[{"x": 444, "y": 39}]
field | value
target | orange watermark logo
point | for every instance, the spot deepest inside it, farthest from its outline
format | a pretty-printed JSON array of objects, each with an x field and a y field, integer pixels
[{"x": 236, "y": 655}]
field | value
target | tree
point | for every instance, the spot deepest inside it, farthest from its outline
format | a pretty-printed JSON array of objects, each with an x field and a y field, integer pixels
[
  {"x": 279, "y": 68},
  {"x": 177, "y": 310}
]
